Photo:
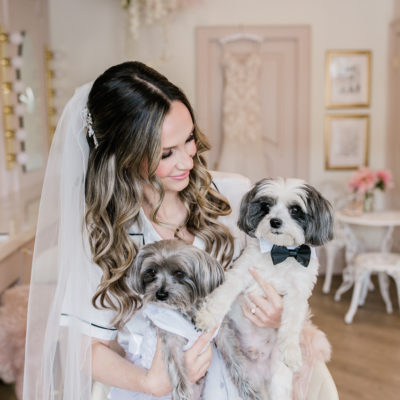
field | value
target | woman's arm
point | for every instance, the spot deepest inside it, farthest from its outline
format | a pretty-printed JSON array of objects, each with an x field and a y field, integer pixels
[
  {"x": 267, "y": 309},
  {"x": 111, "y": 369}
]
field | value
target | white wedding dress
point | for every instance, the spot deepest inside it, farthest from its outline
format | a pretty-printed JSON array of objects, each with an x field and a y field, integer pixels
[{"x": 242, "y": 145}]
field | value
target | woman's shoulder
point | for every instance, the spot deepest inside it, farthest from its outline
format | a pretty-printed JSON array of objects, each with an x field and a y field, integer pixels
[
  {"x": 230, "y": 184},
  {"x": 233, "y": 187}
]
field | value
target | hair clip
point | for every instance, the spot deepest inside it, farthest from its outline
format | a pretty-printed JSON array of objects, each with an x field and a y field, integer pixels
[{"x": 89, "y": 125}]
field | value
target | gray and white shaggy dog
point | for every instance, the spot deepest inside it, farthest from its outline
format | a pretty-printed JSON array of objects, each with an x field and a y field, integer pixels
[
  {"x": 179, "y": 276},
  {"x": 284, "y": 218}
]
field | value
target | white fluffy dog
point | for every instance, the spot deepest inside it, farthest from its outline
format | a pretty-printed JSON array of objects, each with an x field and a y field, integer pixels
[{"x": 284, "y": 217}]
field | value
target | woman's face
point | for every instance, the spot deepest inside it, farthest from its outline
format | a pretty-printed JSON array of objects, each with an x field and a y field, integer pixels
[{"x": 178, "y": 148}]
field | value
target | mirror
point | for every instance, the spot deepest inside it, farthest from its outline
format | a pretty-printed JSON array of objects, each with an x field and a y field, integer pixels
[{"x": 32, "y": 121}]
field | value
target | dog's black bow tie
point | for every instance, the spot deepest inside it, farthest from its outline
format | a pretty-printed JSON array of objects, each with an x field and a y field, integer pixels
[{"x": 302, "y": 254}]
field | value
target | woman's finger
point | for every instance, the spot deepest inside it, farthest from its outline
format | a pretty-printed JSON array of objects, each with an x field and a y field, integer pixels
[
  {"x": 270, "y": 315},
  {"x": 203, "y": 340},
  {"x": 256, "y": 310},
  {"x": 252, "y": 317},
  {"x": 157, "y": 379},
  {"x": 205, "y": 355},
  {"x": 271, "y": 294},
  {"x": 203, "y": 369},
  {"x": 197, "y": 366},
  {"x": 262, "y": 303}
]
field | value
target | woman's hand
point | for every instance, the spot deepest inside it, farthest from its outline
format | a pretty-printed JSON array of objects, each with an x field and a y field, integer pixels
[
  {"x": 197, "y": 363},
  {"x": 263, "y": 311},
  {"x": 157, "y": 381}
]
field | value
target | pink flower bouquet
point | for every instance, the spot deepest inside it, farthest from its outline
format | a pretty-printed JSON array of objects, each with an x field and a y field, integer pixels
[{"x": 364, "y": 181}]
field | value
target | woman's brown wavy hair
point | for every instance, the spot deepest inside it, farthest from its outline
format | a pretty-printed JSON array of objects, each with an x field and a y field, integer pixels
[{"x": 128, "y": 104}]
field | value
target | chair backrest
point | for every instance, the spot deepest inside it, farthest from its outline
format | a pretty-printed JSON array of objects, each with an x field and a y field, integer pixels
[{"x": 336, "y": 193}]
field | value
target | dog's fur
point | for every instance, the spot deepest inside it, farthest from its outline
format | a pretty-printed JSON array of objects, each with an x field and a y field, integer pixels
[
  {"x": 285, "y": 212},
  {"x": 176, "y": 275}
]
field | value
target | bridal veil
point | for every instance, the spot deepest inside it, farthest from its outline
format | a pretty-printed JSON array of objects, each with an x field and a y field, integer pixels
[{"x": 58, "y": 351}]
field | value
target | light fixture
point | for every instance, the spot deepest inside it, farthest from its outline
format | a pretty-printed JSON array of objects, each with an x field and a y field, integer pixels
[{"x": 11, "y": 83}]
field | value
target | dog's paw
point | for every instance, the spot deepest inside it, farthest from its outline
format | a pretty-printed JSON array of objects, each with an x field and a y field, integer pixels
[
  {"x": 205, "y": 320},
  {"x": 292, "y": 357}
]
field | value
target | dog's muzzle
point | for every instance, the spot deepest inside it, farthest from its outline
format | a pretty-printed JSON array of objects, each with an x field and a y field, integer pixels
[
  {"x": 162, "y": 295},
  {"x": 275, "y": 223}
]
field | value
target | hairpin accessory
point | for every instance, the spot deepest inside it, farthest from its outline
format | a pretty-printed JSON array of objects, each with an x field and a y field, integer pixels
[{"x": 89, "y": 125}]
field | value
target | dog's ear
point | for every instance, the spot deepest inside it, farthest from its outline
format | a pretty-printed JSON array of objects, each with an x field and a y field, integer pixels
[
  {"x": 209, "y": 273},
  {"x": 319, "y": 229},
  {"x": 133, "y": 275},
  {"x": 252, "y": 211}
]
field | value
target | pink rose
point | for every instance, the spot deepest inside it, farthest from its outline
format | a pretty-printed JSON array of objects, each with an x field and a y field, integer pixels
[
  {"x": 384, "y": 179},
  {"x": 363, "y": 181}
]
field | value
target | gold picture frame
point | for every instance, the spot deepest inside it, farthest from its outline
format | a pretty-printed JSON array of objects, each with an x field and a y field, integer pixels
[
  {"x": 346, "y": 141},
  {"x": 348, "y": 78}
]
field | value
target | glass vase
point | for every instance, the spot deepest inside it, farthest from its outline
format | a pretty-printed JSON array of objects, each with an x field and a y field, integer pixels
[{"x": 369, "y": 202}]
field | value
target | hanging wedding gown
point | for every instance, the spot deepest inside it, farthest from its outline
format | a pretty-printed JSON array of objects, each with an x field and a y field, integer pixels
[{"x": 242, "y": 145}]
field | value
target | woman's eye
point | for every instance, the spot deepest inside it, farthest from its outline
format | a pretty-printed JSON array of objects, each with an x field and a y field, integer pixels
[
  {"x": 166, "y": 155},
  {"x": 190, "y": 138},
  {"x": 179, "y": 274}
]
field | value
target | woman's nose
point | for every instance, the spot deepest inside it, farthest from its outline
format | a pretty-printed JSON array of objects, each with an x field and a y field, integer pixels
[{"x": 185, "y": 160}]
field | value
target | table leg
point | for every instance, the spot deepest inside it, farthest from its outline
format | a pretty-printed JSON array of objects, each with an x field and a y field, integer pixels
[
  {"x": 347, "y": 282},
  {"x": 330, "y": 253},
  {"x": 352, "y": 248}
]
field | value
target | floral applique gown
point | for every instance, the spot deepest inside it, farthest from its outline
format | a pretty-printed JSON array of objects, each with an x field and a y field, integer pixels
[{"x": 242, "y": 145}]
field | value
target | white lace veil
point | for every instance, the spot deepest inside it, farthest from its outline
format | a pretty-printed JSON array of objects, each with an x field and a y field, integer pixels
[{"x": 58, "y": 355}]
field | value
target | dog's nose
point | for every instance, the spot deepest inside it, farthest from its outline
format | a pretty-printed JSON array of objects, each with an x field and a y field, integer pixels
[
  {"x": 162, "y": 295},
  {"x": 275, "y": 222}
]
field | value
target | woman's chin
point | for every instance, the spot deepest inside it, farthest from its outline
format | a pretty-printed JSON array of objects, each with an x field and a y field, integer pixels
[{"x": 176, "y": 185}]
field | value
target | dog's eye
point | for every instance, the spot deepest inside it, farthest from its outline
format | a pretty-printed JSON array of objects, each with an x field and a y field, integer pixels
[
  {"x": 179, "y": 274},
  {"x": 149, "y": 275},
  {"x": 265, "y": 207},
  {"x": 294, "y": 210}
]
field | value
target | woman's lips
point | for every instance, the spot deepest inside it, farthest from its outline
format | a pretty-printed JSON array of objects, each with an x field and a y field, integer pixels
[{"x": 182, "y": 176}]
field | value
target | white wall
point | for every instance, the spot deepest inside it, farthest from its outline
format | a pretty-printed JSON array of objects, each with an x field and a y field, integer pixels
[
  {"x": 92, "y": 34},
  {"x": 336, "y": 24},
  {"x": 397, "y": 8}
]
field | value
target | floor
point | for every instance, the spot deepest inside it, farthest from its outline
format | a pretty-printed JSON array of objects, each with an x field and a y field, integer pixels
[
  {"x": 366, "y": 354},
  {"x": 7, "y": 392}
]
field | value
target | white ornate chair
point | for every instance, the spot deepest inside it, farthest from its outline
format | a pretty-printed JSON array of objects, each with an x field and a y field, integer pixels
[
  {"x": 363, "y": 266},
  {"x": 337, "y": 195},
  {"x": 362, "y": 263}
]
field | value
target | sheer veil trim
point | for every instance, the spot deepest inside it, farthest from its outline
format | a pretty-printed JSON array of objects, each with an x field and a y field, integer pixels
[{"x": 58, "y": 357}]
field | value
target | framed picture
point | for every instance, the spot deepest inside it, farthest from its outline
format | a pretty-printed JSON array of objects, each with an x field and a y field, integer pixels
[
  {"x": 348, "y": 79},
  {"x": 346, "y": 141}
]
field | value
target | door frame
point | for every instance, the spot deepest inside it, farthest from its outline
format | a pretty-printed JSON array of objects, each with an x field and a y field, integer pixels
[{"x": 207, "y": 43}]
